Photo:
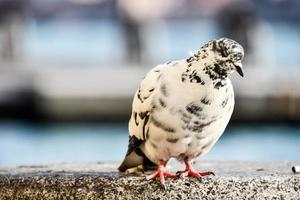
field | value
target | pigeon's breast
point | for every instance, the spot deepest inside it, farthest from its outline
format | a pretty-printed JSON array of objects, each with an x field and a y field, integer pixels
[
  {"x": 186, "y": 123},
  {"x": 203, "y": 123}
]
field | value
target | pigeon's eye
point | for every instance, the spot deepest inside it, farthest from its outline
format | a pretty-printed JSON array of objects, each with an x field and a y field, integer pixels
[{"x": 237, "y": 56}]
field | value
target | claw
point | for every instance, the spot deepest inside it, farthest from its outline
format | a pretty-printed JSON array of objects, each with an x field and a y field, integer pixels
[
  {"x": 161, "y": 173},
  {"x": 189, "y": 171},
  {"x": 164, "y": 186},
  {"x": 211, "y": 173}
]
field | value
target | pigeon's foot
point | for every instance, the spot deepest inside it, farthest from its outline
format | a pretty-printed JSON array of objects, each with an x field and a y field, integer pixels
[
  {"x": 161, "y": 173},
  {"x": 135, "y": 170},
  {"x": 190, "y": 171}
]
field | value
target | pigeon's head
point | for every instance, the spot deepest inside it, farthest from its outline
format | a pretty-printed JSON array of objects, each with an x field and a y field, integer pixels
[{"x": 223, "y": 56}]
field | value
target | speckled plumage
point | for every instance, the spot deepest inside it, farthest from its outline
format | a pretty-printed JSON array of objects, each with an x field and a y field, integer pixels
[{"x": 182, "y": 107}]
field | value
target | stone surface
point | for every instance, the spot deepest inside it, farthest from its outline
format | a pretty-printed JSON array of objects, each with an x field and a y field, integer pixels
[{"x": 233, "y": 180}]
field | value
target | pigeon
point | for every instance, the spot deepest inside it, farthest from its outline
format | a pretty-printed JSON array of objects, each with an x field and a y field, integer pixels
[{"x": 181, "y": 109}]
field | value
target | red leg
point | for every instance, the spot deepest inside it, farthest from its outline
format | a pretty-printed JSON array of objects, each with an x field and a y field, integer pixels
[
  {"x": 190, "y": 171},
  {"x": 161, "y": 173}
]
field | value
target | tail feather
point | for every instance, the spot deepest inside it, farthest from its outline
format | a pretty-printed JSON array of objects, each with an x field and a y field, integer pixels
[
  {"x": 136, "y": 158},
  {"x": 131, "y": 160}
]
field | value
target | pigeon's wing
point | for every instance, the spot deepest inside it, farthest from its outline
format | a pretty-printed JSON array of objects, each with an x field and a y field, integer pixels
[
  {"x": 142, "y": 105},
  {"x": 139, "y": 122}
]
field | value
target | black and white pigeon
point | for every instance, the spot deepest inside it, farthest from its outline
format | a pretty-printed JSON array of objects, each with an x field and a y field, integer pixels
[{"x": 182, "y": 108}]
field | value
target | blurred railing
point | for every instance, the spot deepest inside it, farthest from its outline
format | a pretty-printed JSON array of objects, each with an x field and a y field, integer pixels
[{"x": 106, "y": 94}]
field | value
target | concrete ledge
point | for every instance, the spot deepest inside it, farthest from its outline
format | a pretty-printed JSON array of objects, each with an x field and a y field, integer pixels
[{"x": 233, "y": 180}]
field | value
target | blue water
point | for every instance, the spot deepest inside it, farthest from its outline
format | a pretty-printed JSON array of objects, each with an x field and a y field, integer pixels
[
  {"x": 72, "y": 41},
  {"x": 25, "y": 143}
]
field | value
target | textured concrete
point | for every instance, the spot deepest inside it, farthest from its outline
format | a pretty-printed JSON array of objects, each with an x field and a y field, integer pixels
[{"x": 233, "y": 180}]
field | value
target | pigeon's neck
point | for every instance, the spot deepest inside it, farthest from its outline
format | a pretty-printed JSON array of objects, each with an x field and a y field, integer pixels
[{"x": 202, "y": 71}]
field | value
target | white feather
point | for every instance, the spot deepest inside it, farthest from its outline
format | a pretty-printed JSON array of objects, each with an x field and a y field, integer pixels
[{"x": 164, "y": 96}]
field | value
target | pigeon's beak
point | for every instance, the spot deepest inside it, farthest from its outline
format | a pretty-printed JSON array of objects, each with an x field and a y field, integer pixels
[{"x": 239, "y": 68}]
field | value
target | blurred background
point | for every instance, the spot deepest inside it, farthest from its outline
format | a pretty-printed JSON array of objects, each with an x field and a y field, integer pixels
[{"x": 69, "y": 70}]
